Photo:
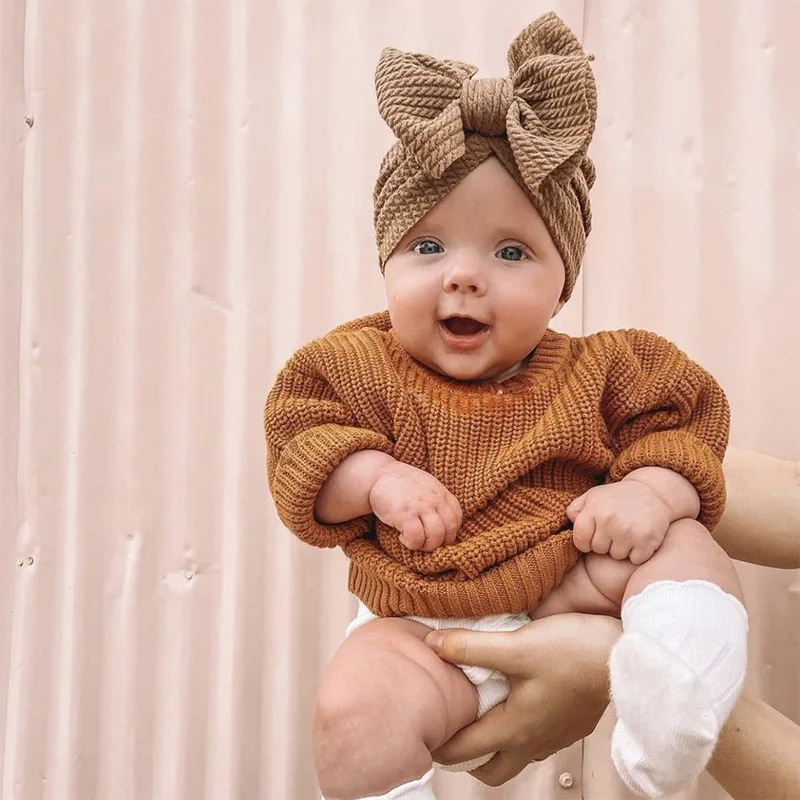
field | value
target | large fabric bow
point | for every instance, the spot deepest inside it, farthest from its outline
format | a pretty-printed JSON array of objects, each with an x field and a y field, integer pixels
[{"x": 546, "y": 108}]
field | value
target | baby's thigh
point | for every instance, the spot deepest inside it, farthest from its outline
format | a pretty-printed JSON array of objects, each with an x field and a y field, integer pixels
[
  {"x": 385, "y": 680},
  {"x": 609, "y": 576},
  {"x": 595, "y": 585}
]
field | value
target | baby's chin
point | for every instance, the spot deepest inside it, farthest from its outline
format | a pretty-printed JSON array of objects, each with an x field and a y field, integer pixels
[{"x": 466, "y": 372}]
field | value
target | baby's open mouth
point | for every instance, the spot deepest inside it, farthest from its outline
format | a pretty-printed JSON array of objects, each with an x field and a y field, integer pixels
[{"x": 463, "y": 326}]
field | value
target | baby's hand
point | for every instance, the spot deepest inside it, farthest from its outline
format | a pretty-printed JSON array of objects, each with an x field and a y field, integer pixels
[
  {"x": 626, "y": 520},
  {"x": 417, "y": 505}
]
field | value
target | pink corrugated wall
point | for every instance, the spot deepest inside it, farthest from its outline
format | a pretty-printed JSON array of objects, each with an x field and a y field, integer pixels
[{"x": 188, "y": 202}]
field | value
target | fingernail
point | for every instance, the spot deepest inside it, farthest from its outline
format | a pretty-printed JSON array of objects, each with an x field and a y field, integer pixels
[{"x": 435, "y": 640}]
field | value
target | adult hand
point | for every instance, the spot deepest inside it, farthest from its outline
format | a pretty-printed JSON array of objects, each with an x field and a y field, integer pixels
[{"x": 557, "y": 667}]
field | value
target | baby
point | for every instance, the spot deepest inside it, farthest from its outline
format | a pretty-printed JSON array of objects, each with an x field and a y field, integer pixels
[{"x": 479, "y": 469}]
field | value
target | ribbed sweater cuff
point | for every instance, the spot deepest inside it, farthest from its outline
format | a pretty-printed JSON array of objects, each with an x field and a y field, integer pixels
[
  {"x": 305, "y": 464},
  {"x": 685, "y": 454}
]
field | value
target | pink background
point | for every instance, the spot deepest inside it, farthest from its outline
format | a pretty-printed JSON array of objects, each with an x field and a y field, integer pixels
[{"x": 193, "y": 202}]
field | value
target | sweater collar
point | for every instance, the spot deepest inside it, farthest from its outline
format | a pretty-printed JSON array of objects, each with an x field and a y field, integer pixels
[{"x": 551, "y": 352}]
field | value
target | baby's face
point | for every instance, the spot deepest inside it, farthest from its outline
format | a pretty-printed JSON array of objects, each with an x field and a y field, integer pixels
[{"x": 472, "y": 287}]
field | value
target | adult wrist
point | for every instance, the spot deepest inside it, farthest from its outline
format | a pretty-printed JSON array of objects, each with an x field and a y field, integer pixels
[{"x": 600, "y": 634}]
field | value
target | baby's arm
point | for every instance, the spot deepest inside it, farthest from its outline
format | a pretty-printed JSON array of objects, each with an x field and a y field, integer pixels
[
  {"x": 668, "y": 422},
  {"x": 345, "y": 494},
  {"x": 310, "y": 431},
  {"x": 663, "y": 410},
  {"x": 412, "y": 501},
  {"x": 679, "y": 495},
  {"x": 629, "y": 519},
  {"x": 328, "y": 472}
]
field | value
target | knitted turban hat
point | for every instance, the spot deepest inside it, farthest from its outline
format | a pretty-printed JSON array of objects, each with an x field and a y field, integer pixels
[{"x": 538, "y": 122}]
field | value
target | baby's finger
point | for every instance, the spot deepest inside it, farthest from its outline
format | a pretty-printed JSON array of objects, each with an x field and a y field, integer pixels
[
  {"x": 412, "y": 533},
  {"x": 576, "y": 506},
  {"x": 619, "y": 550},
  {"x": 601, "y": 542},
  {"x": 452, "y": 502},
  {"x": 642, "y": 553},
  {"x": 433, "y": 526},
  {"x": 583, "y": 531},
  {"x": 450, "y": 520}
]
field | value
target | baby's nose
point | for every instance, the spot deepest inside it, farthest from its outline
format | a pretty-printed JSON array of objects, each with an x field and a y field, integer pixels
[
  {"x": 465, "y": 276},
  {"x": 468, "y": 285}
]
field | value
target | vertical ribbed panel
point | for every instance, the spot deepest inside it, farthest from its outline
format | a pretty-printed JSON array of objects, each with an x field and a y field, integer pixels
[
  {"x": 12, "y": 459},
  {"x": 192, "y": 203}
]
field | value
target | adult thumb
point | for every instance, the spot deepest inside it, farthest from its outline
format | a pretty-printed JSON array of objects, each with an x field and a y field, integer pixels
[{"x": 502, "y": 651}]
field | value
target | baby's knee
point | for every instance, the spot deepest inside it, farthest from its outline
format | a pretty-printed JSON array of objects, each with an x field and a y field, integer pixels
[
  {"x": 344, "y": 724},
  {"x": 361, "y": 746},
  {"x": 689, "y": 529},
  {"x": 689, "y": 544},
  {"x": 340, "y": 715},
  {"x": 693, "y": 540}
]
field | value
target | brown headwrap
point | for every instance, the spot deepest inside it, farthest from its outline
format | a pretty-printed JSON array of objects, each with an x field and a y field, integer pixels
[{"x": 538, "y": 122}]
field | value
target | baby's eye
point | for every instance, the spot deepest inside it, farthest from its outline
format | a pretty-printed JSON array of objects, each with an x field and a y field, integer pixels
[
  {"x": 512, "y": 253},
  {"x": 427, "y": 247}
]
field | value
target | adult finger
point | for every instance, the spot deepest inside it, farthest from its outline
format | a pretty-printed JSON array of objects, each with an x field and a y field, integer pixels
[
  {"x": 495, "y": 650},
  {"x": 502, "y": 768},
  {"x": 488, "y": 735}
]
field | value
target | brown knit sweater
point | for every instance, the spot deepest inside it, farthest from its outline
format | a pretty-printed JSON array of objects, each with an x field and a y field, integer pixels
[{"x": 584, "y": 411}]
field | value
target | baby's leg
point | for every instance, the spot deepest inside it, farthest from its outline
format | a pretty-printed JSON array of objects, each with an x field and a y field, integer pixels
[
  {"x": 680, "y": 663},
  {"x": 595, "y": 585},
  {"x": 385, "y": 703},
  {"x": 688, "y": 553}
]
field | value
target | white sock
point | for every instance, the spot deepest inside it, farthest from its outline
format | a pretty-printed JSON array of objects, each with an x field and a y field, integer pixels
[
  {"x": 420, "y": 789},
  {"x": 676, "y": 673}
]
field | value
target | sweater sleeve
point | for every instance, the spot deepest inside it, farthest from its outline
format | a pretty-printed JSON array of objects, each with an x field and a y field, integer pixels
[
  {"x": 664, "y": 410},
  {"x": 309, "y": 432}
]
